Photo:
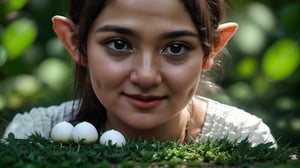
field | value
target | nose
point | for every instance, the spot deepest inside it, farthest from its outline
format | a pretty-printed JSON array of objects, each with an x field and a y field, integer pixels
[{"x": 146, "y": 70}]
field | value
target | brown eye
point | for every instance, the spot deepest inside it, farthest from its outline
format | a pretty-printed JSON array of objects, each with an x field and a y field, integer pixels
[
  {"x": 118, "y": 45},
  {"x": 177, "y": 49}
]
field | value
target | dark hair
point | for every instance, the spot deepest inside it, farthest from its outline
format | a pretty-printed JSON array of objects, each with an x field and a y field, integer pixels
[{"x": 206, "y": 15}]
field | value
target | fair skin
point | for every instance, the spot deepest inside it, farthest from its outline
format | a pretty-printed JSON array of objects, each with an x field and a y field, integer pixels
[{"x": 144, "y": 63}]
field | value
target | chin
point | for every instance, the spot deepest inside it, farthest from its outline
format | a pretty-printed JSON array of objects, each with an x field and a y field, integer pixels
[{"x": 144, "y": 125}]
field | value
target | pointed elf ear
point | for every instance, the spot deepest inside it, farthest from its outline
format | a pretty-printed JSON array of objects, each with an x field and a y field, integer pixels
[
  {"x": 226, "y": 31},
  {"x": 66, "y": 31}
]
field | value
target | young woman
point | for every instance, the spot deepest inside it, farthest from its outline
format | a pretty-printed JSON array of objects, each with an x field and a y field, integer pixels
[{"x": 138, "y": 66}]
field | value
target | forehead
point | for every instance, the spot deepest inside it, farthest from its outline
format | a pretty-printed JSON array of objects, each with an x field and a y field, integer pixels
[
  {"x": 151, "y": 7},
  {"x": 167, "y": 12}
]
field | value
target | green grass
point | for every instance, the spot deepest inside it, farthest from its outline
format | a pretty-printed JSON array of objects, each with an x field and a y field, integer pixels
[{"x": 39, "y": 152}]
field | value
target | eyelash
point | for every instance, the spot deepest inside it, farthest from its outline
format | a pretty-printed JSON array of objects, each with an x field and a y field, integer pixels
[
  {"x": 184, "y": 48},
  {"x": 111, "y": 46},
  {"x": 126, "y": 48}
]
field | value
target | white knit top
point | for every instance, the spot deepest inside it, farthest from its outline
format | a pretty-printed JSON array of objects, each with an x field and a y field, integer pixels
[{"x": 220, "y": 121}]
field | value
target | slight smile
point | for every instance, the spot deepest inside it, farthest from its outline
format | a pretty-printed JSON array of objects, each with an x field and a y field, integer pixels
[{"x": 144, "y": 101}]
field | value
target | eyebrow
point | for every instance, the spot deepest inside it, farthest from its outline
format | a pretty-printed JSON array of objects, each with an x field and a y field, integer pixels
[
  {"x": 117, "y": 29},
  {"x": 127, "y": 31},
  {"x": 180, "y": 33}
]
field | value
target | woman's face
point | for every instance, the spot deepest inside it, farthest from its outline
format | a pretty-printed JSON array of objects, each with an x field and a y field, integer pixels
[{"x": 144, "y": 59}]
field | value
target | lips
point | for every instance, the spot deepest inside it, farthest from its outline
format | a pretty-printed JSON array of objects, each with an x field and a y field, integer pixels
[
  {"x": 145, "y": 98},
  {"x": 145, "y": 101}
]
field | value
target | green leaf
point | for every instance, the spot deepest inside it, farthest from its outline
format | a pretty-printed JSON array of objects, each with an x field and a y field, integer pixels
[
  {"x": 247, "y": 67},
  {"x": 290, "y": 17},
  {"x": 281, "y": 59},
  {"x": 12, "y": 5},
  {"x": 261, "y": 85},
  {"x": 241, "y": 91},
  {"x": 54, "y": 72},
  {"x": 18, "y": 36},
  {"x": 3, "y": 55}
]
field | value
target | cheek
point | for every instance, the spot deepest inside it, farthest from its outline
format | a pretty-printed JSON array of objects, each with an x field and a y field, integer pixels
[
  {"x": 104, "y": 72},
  {"x": 184, "y": 80},
  {"x": 106, "y": 80},
  {"x": 106, "y": 77}
]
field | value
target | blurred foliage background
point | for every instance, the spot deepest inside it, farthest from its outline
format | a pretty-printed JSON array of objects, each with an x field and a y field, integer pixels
[{"x": 261, "y": 76}]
